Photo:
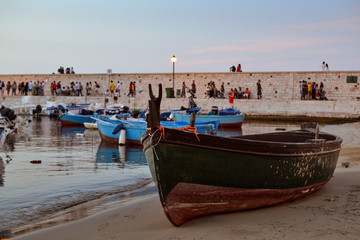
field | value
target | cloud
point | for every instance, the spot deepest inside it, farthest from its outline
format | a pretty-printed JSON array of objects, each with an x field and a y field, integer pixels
[
  {"x": 291, "y": 37},
  {"x": 348, "y": 24},
  {"x": 266, "y": 45},
  {"x": 208, "y": 62}
]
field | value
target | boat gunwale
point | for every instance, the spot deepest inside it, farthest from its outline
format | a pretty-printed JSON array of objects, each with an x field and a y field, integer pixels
[{"x": 273, "y": 144}]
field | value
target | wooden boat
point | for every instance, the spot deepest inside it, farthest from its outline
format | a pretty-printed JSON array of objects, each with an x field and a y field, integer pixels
[
  {"x": 227, "y": 120},
  {"x": 80, "y": 114},
  {"x": 225, "y": 174},
  {"x": 69, "y": 119},
  {"x": 110, "y": 129}
]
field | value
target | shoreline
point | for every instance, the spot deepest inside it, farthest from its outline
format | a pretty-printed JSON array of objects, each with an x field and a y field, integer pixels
[
  {"x": 85, "y": 209},
  {"x": 330, "y": 213}
]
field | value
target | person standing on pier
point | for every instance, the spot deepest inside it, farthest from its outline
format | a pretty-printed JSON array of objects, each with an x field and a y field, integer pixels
[
  {"x": 112, "y": 88},
  {"x": 8, "y": 87},
  {"x": 118, "y": 86},
  {"x": 14, "y": 86},
  {"x": 193, "y": 89},
  {"x": 231, "y": 98},
  {"x": 31, "y": 86},
  {"x": 259, "y": 90}
]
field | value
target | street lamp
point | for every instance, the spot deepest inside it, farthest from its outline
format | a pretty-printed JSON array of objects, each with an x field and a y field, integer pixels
[{"x": 173, "y": 60}]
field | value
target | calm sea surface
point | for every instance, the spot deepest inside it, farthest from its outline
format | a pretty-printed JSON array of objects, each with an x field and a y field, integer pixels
[{"x": 76, "y": 167}]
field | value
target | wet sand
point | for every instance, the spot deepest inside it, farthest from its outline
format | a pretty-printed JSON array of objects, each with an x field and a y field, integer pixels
[{"x": 331, "y": 213}]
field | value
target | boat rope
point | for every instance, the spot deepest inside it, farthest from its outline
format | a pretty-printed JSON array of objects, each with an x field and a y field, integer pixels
[
  {"x": 151, "y": 140},
  {"x": 191, "y": 129}
]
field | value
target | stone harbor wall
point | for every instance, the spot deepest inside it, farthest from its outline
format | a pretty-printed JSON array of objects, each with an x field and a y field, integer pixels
[
  {"x": 281, "y": 91},
  {"x": 339, "y": 85}
]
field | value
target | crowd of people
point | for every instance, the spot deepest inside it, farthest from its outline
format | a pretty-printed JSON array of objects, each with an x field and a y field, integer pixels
[
  {"x": 312, "y": 91},
  {"x": 22, "y": 89},
  {"x": 74, "y": 89},
  {"x": 237, "y": 93},
  {"x": 308, "y": 90},
  {"x": 69, "y": 70}
]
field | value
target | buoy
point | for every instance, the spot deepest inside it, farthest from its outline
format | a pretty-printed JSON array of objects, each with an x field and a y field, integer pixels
[
  {"x": 122, "y": 152},
  {"x": 122, "y": 137}
]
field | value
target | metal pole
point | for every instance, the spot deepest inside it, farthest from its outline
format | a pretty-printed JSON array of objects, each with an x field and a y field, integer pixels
[{"x": 173, "y": 95}]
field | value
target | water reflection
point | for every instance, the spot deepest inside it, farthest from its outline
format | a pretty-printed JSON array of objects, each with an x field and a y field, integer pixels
[
  {"x": 233, "y": 133},
  {"x": 71, "y": 131},
  {"x": 2, "y": 172},
  {"x": 10, "y": 142},
  {"x": 123, "y": 156}
]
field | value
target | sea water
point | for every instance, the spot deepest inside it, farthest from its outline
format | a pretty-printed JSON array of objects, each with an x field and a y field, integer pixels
[{"x": 47, "y": 168}]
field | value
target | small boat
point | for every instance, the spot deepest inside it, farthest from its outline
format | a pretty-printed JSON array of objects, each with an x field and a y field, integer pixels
[
  {"x": 207, "y": 174},
  {"x": 227, "y": 118},
  {"x": 80, "y": 114},
  {"x": 168, "y": 114},
  {"x": 72, "y": 119},
  {"x": 110, "y": 129},
  {"x": 91, "y": 125},
  {"x": 229, "y": 111}
]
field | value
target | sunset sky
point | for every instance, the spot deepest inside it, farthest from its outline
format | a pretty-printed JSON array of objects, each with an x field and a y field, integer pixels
[{"x": 133, "y": 36}]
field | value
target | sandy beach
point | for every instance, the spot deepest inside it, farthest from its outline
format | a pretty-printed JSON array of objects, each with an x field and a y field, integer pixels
[{"x": 331, "y": 213}]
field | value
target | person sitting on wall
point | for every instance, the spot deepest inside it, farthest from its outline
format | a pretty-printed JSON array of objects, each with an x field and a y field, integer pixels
[
  {"x": 246, "y": 93},
  {"x": 238, "y": 69},
  {"x": 241, "y": 93}
]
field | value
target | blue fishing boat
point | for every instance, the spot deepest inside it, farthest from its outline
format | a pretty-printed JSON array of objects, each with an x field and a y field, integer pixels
[
  {"x": 70, "y": 119},
  {"x": 109, "y": 129},
  {"x": 226, "y": 119},
  {"x": 229, "y": 111},
  {"x": 78, "y": 115},
  {"x": 188, "y": 110}
]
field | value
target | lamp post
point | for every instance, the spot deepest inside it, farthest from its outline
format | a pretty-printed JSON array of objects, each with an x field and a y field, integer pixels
[{"x": 173, "y": 60}]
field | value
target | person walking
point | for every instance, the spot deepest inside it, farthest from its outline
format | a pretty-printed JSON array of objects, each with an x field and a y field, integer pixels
[
  {"x": 183, "y": 90},
  {"x": 130, "y": 89}
]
